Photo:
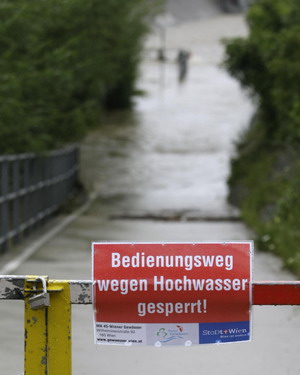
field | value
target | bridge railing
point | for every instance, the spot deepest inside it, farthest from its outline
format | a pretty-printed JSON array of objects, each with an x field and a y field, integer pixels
[{"x": 32, "y": 187}]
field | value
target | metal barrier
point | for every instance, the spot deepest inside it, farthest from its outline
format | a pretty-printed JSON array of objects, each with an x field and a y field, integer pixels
[
  {"x": 233, "y": 6},
  {"x": 32, "y": 187},
  {"x": 48, "y": 326}
]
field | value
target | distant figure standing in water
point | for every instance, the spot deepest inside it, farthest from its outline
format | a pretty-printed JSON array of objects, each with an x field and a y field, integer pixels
[
  {"x": 161, "y": 55},
  {"x": 182, "y": 61}
]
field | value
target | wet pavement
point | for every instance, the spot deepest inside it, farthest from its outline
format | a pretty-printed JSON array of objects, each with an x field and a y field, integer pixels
[{"x": 167, "y": 161}]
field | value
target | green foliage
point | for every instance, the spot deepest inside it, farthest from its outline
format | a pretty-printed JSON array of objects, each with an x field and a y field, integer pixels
[
  {"x": 265, "y": 180},
  {"x": 267, "y": 63},
  {"x": 63, "y": 62},
  {"x": 265, "y": 184}
]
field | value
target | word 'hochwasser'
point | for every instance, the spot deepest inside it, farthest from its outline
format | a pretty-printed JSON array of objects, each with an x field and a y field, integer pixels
[
  {"x": 188, "y": 262},
  {"x": 160, "y": 283}
]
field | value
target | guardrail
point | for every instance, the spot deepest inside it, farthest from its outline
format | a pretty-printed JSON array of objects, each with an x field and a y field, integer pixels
[
  {"x": 48, "y": 344},
  {"x": 32, "y": 187},
  {"x": 233, "y": 6}
]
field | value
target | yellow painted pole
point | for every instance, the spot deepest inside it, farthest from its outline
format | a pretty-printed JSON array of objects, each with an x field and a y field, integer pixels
[
  {"x": 59, "y": 328},
  {"x": 48, "y": 330},
  {"x": 35, "y": 325}
]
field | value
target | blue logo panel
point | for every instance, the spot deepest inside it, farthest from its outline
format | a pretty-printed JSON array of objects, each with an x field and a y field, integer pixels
[{"x": 215, "y": 333}]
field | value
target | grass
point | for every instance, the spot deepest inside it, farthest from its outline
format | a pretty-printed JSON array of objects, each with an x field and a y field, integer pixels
[{"x": 265, "y": 184}]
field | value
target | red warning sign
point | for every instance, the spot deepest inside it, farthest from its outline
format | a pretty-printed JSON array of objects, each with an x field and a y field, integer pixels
[{"x": 172, "y": 283}]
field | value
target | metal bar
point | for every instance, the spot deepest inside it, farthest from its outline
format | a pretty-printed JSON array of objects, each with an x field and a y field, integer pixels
[
  {"x": 59, "y": 329},
  {"x": 264, "y": 292},
  {"x": 276, "y": 293},
  {"x": 34, "y": 196},
  {"x": 4, "y": 211},
  {"x": 16, "y": 201},
  {"x": 26, "y": 184},
  {"x": 12, "y": 287},
  {"x": 81, "y": 292},
  {"x": 44, "y": 201},
  {"x": 30, "y": 194}
]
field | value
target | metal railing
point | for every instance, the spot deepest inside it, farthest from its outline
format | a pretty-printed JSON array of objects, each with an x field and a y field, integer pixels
[{"x": 32, "y": 187}]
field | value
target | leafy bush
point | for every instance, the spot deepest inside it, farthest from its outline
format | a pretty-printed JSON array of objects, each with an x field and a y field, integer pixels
[
  {"x": 62, "y": 62},
  {"x": 267, "y": 64},
  {"x": 264, "y": 179}
]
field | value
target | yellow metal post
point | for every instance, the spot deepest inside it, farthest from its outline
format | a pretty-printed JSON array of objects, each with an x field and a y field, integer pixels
[
  {"x": 36, "y": 335},
  {"x": 59, "y": 329},
  {"x": 48, "y": 331}
]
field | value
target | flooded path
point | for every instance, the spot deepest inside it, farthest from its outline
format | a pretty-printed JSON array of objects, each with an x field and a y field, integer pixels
[
  {"x": 167, "y": 161},
  {"x": 171, "y": 156}
]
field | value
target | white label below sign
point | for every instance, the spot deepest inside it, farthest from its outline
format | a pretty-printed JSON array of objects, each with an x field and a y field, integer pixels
[{"x": 121, "y": 334}]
